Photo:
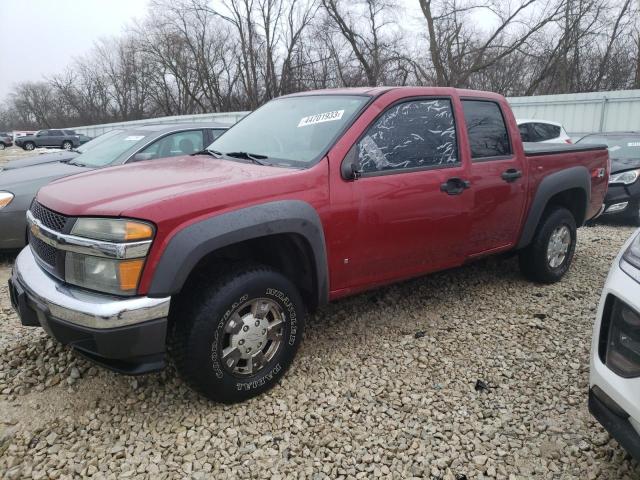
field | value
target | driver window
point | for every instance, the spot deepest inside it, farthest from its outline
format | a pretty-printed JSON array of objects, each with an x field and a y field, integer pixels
[
  {"x": 414, "y": 134},
  {"x": 181, "y": 143}
]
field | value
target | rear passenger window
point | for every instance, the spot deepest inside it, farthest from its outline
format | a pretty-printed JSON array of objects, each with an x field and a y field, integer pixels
[
  {"x": 487, "y": 130},
  {"x": 414, "y": 134},
  {"x": 545, "y": 131}
]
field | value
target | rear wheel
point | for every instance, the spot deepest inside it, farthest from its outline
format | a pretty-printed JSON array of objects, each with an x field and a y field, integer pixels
[
  {"x": 235, "y": 338},
  {"x": 29, "y": 146},
  {"x": 67, "y": 145},
  {"x": 550, "y": 254}
]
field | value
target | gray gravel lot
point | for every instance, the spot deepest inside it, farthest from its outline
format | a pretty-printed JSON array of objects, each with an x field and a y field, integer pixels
[{"x": 366, "y": 396}]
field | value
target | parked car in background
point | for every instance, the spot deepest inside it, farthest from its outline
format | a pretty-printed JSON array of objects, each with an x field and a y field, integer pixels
[
  {"x": 310, "y": 198},
  {"x": 51, "y": 138},
  {"x": 623, "y": 197},
  {"x": 18, "y": 186},
  {"x": 6, "y": 140},
  {"x": 542, "y": 131},
  {"x": 58, "y": 155},
  {"x": 614, "y": 394}
]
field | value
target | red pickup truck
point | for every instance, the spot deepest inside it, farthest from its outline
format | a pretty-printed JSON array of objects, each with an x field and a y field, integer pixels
[{"x": 217, "y": 257}]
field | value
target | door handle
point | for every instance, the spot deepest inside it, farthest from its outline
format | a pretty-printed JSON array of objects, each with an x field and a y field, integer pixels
[
  {"x": 511, "y": 175},
  {"x": 455, "y": 186}
]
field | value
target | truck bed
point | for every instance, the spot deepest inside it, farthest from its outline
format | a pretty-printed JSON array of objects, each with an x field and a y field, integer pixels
[{"x": 532, "y": 149}]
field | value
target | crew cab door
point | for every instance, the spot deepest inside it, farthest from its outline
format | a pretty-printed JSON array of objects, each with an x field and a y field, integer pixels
[
  {"x": 406, "y": 212},
  {"x": 497, "y": 177}
]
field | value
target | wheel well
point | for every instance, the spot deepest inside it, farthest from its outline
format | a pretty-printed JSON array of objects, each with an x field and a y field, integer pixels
[
  {"x": 289, "y": 253},
  {"x": 574, "y": 200}
]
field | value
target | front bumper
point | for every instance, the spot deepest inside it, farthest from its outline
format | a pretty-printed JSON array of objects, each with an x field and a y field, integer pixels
[
  {"x": 126, "y": 335},
  {"x": 621, "y": 194},
  {"x": 615, "y": 421}
]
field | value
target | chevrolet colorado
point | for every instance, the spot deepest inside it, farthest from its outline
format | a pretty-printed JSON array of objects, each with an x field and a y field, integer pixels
[{"x": 217, "y": 257}]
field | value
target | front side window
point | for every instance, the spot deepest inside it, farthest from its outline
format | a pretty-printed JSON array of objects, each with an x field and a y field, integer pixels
[
  {"x": 292, "y": 131},
  {"x": 415, "y": 134},
  {"x": 180, "y": 143},
  {"x": 486, "y": 128},
  {"x": 42, "y": 133}
]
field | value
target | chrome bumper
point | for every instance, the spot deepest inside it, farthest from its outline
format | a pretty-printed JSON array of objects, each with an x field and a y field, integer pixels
[{"x": 80, "y": 307}]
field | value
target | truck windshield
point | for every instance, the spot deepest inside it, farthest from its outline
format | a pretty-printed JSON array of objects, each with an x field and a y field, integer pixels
[
  {"x": 292, "y": 131},
  {"x": 109, "y": 150},
  {"x": 625, "y": 147}
]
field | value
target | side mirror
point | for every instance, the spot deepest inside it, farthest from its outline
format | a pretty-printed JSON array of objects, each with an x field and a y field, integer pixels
[
  {"x": 350, "y": 167},
  {"x": 138, "y": 157}
]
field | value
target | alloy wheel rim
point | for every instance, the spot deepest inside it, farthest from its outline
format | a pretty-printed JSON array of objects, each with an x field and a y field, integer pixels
[
  {"x": 558, "y": 246},
  {"x": 252, "y": 336}
]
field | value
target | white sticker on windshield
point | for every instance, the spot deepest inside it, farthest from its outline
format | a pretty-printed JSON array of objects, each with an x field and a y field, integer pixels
[
  {"x": 321, "y": 118},
  {"x": 633, "y": 144},
  {"x": 133, "y": 138},
  {"x": 614, "y": 148}
]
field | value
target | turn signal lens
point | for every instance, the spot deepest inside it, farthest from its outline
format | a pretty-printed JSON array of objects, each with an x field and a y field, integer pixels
[
  {"x": 137, "y": 231},
  {"x": 130, "y": 274},
  {"x": 5, "y": 199}
]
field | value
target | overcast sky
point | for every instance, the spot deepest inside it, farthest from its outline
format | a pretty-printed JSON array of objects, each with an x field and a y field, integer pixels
[{"x": 40, "y": 37}]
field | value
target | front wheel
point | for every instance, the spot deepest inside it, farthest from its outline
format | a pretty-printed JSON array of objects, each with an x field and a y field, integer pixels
[
  {"x": 549, "y": 255},
  {"x": 2, "y": 146},
  {"x": 634, "y": 216},
  {"x": 236, "y": 338},
  {"x": 67, "y": 145}
]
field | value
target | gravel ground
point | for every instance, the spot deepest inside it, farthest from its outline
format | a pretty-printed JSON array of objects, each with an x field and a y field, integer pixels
[{"x": 385, "y": 385}]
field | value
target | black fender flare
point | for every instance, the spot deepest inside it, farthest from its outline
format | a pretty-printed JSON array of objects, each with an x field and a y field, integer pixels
[
  {"x": 557, "y": 182},
  {"x": 191, "y": 244}
]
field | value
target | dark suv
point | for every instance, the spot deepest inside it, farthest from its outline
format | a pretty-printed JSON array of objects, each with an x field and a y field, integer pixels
[
  {"x": 6, "y": 140},
  {"x": 55, "y": 138}
]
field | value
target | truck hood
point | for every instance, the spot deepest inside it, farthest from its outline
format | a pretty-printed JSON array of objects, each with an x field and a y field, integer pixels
[
  {"x": 622, "y": 164},
  {"x": 150, "y": 186}
]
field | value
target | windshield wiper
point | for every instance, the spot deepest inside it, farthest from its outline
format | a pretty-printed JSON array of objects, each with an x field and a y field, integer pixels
[
  {"x": 206, "y": 151},
  {"x": 254, "y": 157},
  {"x": 77, "y": 164}
]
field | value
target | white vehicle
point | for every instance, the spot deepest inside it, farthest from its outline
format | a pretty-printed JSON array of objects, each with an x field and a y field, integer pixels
[
  {"x": 614, "y": 393},
  {"x": 542, "y": 131}
]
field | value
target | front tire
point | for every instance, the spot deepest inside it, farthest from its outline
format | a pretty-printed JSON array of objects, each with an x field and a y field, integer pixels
[
  {"x": 235, "y": 338},
  {"x": 29, "y": 146},
  {"x": 2, "y": 146},
  {"x": 634, "y": 216},
  {"x": 550, "y": 254}
]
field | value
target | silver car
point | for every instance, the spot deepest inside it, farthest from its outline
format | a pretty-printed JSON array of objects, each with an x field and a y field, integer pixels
[{"x": 18, "y": 186}]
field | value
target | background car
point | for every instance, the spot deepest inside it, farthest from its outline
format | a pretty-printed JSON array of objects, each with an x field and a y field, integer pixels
[
  {"x": 614, "y": 394},
  {"x": 56, "y": 156},
  {"x": 6, "y": 140},
  {"x": 542, "y": 131},
  {"x": 623, "y": 196},
  {"x": 65, "y": 139},
  {"x": 18, "y": 186}
]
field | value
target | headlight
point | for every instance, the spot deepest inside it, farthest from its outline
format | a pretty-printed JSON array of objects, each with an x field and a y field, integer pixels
[
  {"x": 626, "y": 178},
  {"x": 623, "y": 342},
  {"x": 112, "y": 230},
  {"x": 631, "y": 258},
  {"x": 5, "y": 199},
  {"x": 119, "y": 276}
]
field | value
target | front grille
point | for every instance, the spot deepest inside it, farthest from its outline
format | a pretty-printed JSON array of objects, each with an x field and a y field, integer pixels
[
  {"x": 44, "y": 252},
  {"x": 49, "y": 218}
]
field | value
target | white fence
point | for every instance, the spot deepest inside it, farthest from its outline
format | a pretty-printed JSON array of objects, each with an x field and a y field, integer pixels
[
  {"x": 228, "y": 118},
  {"x": 583, "y": 113}
]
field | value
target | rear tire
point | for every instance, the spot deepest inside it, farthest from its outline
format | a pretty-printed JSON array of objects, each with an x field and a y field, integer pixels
[
  {"x": 550, "y": 253},
  {"x": 67, "y": 145},
  {"x": 235, "y": 338},
  {"x": 29, "y": 146}
]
